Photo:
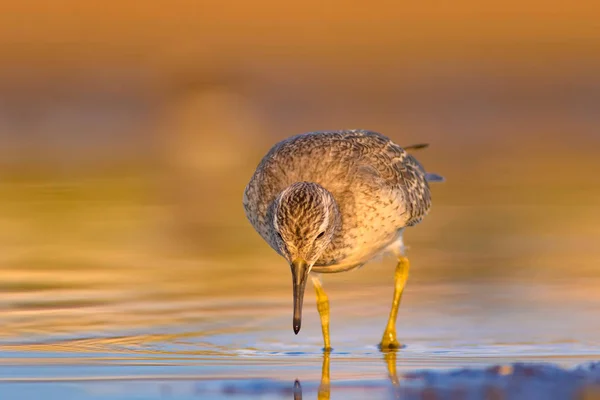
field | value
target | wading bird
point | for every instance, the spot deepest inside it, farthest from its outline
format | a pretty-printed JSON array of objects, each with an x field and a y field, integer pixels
[{"x": 331, "y": 201}]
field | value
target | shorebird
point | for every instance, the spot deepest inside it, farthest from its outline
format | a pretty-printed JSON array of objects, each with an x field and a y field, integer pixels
[{"x": 331, "y": 201}]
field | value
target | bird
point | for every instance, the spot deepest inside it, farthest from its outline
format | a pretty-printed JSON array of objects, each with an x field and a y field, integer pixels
[{"x": 331, "y": 201}]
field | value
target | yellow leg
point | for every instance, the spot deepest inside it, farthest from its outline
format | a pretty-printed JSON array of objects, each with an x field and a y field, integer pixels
[
  {"x": 324, "y": 387},
  {"x": 324, "y": 392},
  {"x": 390, "y": 360},
  {"x": 389, "y": 340},
  {"x": 323, "y": 307}
]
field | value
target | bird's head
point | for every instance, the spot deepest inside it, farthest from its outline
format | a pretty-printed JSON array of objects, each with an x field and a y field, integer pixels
[{"x": 305, "y": 219}]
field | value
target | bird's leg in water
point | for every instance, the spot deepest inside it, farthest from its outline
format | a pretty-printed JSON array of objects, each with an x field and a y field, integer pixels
[
  {"x": 389, "y": 340},
  {"x": 324, "y": 392},
  {"x": 324, "y": 387},
  {"x": 390, "y": 360},
  {"x": 323, "y": 307}
]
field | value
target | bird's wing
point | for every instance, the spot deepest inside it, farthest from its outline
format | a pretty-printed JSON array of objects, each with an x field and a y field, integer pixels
[
  {"x": 396, "y": 170},
  {"x": 406, "y": 177},
  {"x": 413, "y": 184}
]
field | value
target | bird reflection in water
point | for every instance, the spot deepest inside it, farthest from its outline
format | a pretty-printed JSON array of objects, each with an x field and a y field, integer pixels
[{"x": 324, "y": 392}]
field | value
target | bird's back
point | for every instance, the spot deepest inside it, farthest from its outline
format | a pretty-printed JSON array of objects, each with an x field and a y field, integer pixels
[{"x": 378, "y": 186}]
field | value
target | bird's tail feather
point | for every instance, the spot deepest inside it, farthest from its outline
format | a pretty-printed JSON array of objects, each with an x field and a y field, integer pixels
[
  {"x": 418, "y": 146},
  {"x": 430, "y": 177}
]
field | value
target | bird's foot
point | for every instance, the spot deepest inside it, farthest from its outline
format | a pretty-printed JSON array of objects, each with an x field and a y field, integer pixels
[
  {"x": 389, "y": 345},
  {"x": 327, "y": 349},
  {"x": 389, "y": 342}
]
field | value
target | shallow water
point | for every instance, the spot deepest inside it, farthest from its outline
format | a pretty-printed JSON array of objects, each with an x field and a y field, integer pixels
[
  {"x": 107, "y": 309},
  {"x": 136, "y": 340}
]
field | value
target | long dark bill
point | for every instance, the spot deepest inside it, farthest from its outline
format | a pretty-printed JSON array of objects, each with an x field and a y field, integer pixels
[{"x": 299, "y": 275}]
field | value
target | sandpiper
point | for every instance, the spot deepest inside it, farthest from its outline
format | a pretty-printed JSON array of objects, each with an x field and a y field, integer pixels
[{"x": 331, "y": 201}]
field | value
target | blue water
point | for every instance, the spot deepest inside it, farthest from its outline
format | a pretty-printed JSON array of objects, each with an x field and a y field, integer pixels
[{"x": 240, "y": 349}]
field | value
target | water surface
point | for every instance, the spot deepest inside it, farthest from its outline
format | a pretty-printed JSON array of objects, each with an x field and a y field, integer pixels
[
  {"x": 99, "y": 302},
  {"x": 132, "y": 342}
]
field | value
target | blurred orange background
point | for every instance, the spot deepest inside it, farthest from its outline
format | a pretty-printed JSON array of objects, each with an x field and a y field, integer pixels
[{"x": 128, "y": 131}]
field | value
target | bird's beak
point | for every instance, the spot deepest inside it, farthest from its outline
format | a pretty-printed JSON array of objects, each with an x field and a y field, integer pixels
[{"x": 300, "y": 271}]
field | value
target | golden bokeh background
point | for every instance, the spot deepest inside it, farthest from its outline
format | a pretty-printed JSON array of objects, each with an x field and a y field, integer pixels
[{"x": 128, "y": 131}]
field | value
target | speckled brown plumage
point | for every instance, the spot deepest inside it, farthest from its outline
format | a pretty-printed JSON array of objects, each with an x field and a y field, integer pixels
[{"x": 377, "y": 188}]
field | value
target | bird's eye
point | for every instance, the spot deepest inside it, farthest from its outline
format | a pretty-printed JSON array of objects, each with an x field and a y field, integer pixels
[{"x": 321, "y": 235}]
